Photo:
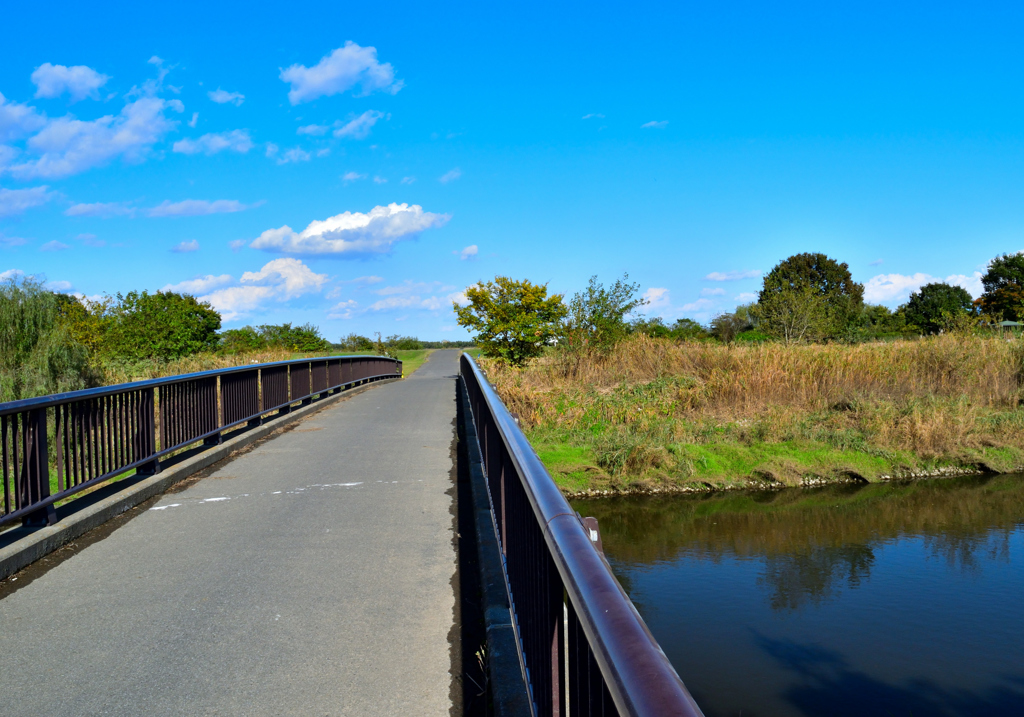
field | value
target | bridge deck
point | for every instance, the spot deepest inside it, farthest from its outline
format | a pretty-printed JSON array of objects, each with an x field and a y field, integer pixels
[{"x": 310, "y": 576}]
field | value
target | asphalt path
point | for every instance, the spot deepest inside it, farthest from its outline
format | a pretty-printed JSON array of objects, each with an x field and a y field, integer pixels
[{"x": 310, "y": 576}]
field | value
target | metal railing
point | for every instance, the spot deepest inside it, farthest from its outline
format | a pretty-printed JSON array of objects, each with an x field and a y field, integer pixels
[
  {"x": 99, "y": 433},
  {"x": 583, "y": 647}
]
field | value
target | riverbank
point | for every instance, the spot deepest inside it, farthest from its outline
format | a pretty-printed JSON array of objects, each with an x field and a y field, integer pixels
[{"x": 656, "y": 416}]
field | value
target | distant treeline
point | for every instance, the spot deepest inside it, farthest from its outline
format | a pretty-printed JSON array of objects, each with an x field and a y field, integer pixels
[{"x": 355, "y": 342}]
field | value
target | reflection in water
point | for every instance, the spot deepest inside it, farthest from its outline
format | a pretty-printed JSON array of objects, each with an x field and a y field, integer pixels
[{"x": 860, "y": 599}]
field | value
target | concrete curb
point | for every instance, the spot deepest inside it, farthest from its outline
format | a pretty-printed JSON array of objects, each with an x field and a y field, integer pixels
[{"x": 23, "y": 546}]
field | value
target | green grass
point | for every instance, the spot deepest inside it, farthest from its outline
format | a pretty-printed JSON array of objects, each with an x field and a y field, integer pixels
[
  {"x": 474, "y": 352},
  {"x": 413, "y": 359}
]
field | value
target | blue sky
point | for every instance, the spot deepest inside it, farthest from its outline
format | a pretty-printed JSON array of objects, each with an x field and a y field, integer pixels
[{"x": 358, "y": 166}]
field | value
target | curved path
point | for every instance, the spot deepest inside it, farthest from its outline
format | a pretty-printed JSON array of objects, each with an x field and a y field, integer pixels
[{"x": 310, "y": 576}]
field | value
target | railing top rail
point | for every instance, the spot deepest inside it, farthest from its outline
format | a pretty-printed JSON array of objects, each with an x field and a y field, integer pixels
[
  {"x": 640, "y": 679},
  {"x": 59, "y": 398}
]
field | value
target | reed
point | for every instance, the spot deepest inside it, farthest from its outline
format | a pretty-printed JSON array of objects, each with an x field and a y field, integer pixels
[{"x": 654, "y": 406}]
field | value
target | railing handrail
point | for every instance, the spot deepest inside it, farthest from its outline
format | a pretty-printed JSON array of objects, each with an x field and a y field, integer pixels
[
  {"x": 54, "y": 399},
  {"x": 638, "y": 674}
]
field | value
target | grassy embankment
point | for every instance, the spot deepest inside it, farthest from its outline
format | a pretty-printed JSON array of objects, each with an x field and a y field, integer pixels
[{"x": 658, "y": 415}]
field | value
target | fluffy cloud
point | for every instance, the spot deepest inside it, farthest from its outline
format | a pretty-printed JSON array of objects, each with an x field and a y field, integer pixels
[
  {"x": 469, "y": 252},
  {"x": 236, "y": 140},
  {"x": 278, "y": 280},
  {"x": 78, "y": 81},
  {"x": 352, "y": 176},
  {"x": 886, "y": 288},
  {"x": 67, "y": 146},
  {"x": 17, "y": 120},
  {"x": 353, "y": 233},
  {"x": 732, "y": 275},
  {"x": 222, "y": 97},
  {"x": 359, "y": 128},
  {"x": 200, "y": 284},
  {"x": 16, "y": 201},
  {"x": 380, "y": 180},
  {"x": 198, "y": 207},
  {"x": 104, "y": 210},
  {"x": 342, "y": 310},
  {"x": 294, "y": 155},
  {"x": 186, "y": 247},
  {"x": 450, "y": 176},
  {"x": 657, "y": 299},
  {"x": 340, "y": 71},
  {"x": 662, "y": 124}
]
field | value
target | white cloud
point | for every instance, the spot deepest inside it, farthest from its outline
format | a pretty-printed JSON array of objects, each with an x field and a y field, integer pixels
[
  {"x": 222, "y": 97},
  {"x": 11, "y": 274},
  {"x": 699, "y": 306},
  {"x": 278, "y": 280},
  {"x": 876, "y": 262},
  {"x": 18, "y": 120},
  {"x": 316, "y": 130},
  {"x": 469, "y": 252},
  {"x": 9, "y": 241},
  {"x": 593, "y": 115},
  {"x": 294, "y": 155},
  {"x": 379, "y": 180},
  {"x": 450, "y": 176},
  {"x": 732, "y": 275},
  {"x": 54, "y": 246},
  {"x": 359, "y": 128},
  {"x": 59, "y": 285},
  {"x": 712, "y": 292},
  {"x": 69, "y": 146},
  {"x": 408, "y": 180},
  {"x": 103, "y": 210},
  {"x": 662, "y": 124},
  {"x": 237, "y": 140},
  {"x": 16, "y": 201},
  {"x": 353, "y": 233},
  {"x": 200, "y": 284},
  {"x": 323, "y": 152},
  {"x": 745, "y": 298},
  {"x": 886, "y": 288},
  {"x": 186, "y": 247},
  {"x": 272, "y": 149},
  {"x": 194, "y": 121},
  {"x": 197, "y": 207},
  {"x": 78, "y": 81},
  {"x": 657, "y": 298},
  {"x": 352, "y": 176},
  {"x": 91, "y": 240},
  {"x": 236, "y": 244},
  {"x": 342, "y": 70},
  {"x": 342, "y": 310}
]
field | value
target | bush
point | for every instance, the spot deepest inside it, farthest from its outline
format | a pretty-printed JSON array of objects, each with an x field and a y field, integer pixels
[
  {"x": 356, "y": 343},
  {"x": 597, "y": 316},
  {"x": 164, "y": 325}
]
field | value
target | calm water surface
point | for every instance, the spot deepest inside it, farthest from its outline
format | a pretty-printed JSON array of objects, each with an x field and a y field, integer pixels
[{"x": 902, "y": 599}]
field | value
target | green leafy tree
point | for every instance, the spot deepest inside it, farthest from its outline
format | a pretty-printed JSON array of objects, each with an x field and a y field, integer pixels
[
  {"x": 808, "y": 297},
  {"x": 355, "y": 342},
  {"x": 38, "y": 352},
  {"x": 305, "y": 338},
  {"x": 930, "y": 307},
  {"x": 243, "y": 340},
  {"x": 513, "y": 320},
  {"x": 597, "y": 315},
  {"x": 1003, "y": 298},
  {"x": 728, "y": 326},
  {"x": 403, "y": 343},
  {"x": 654, "y": 327},
  {"x": 164, "y": 325},
  {"x": 688, "y": 329}
]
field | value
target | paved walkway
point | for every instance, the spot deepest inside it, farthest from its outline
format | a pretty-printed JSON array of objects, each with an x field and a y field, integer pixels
[{"x": 310, "y": 576}]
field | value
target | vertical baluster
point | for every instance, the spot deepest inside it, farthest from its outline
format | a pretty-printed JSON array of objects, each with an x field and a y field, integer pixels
[{"x": 6, "y": 465}]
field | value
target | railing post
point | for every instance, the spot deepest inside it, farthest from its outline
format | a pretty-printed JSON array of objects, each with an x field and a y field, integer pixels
[{"x": 34, "y": 480}]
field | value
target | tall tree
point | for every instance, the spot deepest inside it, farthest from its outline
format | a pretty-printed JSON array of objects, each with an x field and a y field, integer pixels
[
  {"x": 597, "y": 315},
  {"x": 514, "y": 320},
  {"x": 808, "y": 297},
  {"x": 1004, "y": 288},
  {"x": 932, "y": 306},
  {"x": 163, "y": 325}
]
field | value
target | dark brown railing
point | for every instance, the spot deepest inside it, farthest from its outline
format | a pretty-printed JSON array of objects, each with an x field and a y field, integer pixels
[
  {"x": 86, "y": 437},
  {"x": 583, "y": 647}
]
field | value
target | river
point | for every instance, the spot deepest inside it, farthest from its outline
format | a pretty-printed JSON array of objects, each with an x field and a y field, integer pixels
[{"x": 891, "y": 599}]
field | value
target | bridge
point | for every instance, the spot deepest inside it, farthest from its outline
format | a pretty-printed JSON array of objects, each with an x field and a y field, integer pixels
[{"x": 315, "y": 537}]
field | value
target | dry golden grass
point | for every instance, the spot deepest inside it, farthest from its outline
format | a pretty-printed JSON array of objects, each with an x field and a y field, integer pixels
[
  {"x": 935, "y": 397},
  {"x": 115, "y": 372}
]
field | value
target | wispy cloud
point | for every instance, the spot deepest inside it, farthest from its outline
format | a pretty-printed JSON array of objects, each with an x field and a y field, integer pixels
[
  {"x": 885, "y": 288},
  {"x": 17, "y": 201},
  {"x": 314, "y": 130},
  {"x": 450, "y": 176},
  {"x": 340, "y": 71},
  {"x": 103, "y": 210},
  {"x": 732, "y": 275},
  {"x": 237, "y": 140},
  {"x": 198, "y": 207},
  {"x": 359, "y": 127},
  {"x": 352, "y": 177},
  {"x": 223, "y": 97},
  {"x": 660, "y": 124},
  {"x": 54, "y": 246},
  {"x": 408, "y": 180},
  {"x": 593, "y": 115},
  {"x": 470, "y": 252},
  {"x": 186, "y": 247}
]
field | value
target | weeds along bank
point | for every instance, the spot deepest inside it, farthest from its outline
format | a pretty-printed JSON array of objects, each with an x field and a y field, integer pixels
[{"x": 654, "y": 414}]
